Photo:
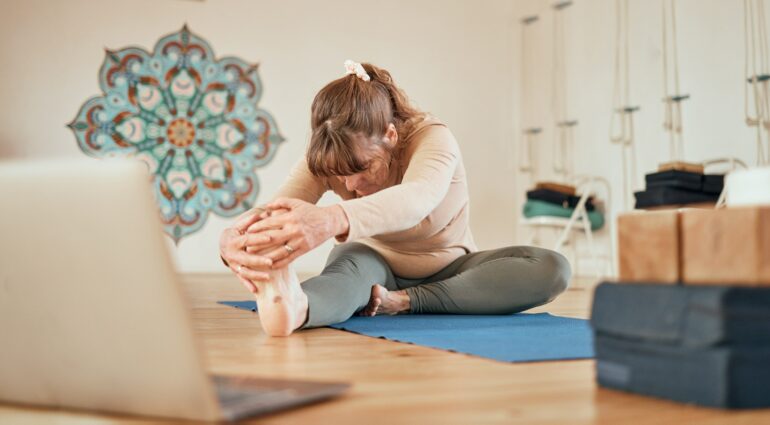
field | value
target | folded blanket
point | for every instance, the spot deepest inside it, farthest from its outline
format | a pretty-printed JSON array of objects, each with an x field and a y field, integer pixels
[{"x": 535, "y": 208}]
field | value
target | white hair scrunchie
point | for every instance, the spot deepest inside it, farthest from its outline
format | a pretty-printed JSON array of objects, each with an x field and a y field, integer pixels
[{"x": 356, "y": 68}]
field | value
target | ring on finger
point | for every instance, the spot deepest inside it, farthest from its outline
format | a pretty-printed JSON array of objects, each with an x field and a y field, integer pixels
[
  {"x": 240, "y": 266},
  {"x": 288, "y": 248}
]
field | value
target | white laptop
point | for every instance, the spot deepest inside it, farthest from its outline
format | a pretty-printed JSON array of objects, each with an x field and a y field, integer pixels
[{"x": 92, "y": 315}]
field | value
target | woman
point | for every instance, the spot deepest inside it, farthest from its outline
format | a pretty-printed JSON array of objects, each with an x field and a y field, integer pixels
[{"x": 405, "y": 245}]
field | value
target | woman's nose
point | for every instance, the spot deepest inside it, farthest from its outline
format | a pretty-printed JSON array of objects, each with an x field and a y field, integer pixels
[{"x": 351, "y": 182}]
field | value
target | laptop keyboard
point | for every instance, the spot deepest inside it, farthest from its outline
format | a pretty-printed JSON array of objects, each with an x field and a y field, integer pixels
[
  {"x": 241, "y": 397},
  {"x": 238, "y": 393},
  {"x": 229, "y": 395}
]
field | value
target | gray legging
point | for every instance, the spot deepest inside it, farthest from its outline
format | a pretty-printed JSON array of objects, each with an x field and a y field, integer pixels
[{"x": 499, "y": 281}]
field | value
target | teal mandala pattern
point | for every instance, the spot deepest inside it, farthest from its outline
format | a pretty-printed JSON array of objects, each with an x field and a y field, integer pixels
[{"x": 191, "y": 118}]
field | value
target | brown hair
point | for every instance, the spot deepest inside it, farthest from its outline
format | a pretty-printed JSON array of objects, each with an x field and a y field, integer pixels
[{"x": 349, "y": 106}]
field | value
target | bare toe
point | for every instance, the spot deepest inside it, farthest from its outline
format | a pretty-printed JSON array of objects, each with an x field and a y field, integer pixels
[{"x": 375, "y": 306}]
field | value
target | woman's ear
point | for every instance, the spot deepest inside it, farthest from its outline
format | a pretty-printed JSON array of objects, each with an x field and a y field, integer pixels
[{"x": 391, "y": 135}]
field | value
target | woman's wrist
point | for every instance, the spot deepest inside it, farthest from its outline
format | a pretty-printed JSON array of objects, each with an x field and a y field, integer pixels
[{"x": 339, "y": 220}]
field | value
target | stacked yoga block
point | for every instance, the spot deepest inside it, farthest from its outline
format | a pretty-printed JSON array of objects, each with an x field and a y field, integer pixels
[
  {"x": 706, "y": 345},
  {"x": 549, "y": 199},
  {"x": 678, "y": 184},
  {"x": 689, "y": 319}
]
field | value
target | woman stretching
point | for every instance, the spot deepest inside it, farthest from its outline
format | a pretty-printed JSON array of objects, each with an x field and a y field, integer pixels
[{"x": 405, "y": 245}]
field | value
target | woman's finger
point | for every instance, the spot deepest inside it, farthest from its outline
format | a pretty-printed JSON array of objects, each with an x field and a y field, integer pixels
[
  {"x": 287, "y": 203},
  {"x": 272, "y": 222},
  {"x": 248, "y": 213},
  {"x": 251, "y": 239},
  {"x": 277, "y": 239},
  {"x": 288, "y": 247},
  {"x": 278, "y": 253},
  {"x": 237, "y": 241},
  {"x": 250, "y": 286},
  {"x": 277, "y": 265},
  {"x": 277, "y": 212},
  {"x": 247, "y": 219},
  {"x": 253, "y": 261},
  {"x": 298, "y": 249},
  {"x": 250, "y": 274}
]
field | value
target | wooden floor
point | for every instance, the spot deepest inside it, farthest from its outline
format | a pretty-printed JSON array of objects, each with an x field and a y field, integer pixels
[{"x": 398, "y": 383}]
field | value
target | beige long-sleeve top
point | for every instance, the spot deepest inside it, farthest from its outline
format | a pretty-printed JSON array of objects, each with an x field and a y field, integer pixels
[{"x": 420, "y": 223}]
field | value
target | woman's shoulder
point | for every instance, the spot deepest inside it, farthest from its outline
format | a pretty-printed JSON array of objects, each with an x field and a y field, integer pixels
[
  {"x": 431, "y": 134},
  {"x": 422, "y": 124}
]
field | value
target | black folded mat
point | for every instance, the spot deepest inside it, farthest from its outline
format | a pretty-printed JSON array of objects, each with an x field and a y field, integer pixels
[
  {"x": 683, "y": 315},
  {"x": 673, "y": 175},
  {"x": 708, "y": 183},
  {"x": 659, "y": 196},
  {"x": 713, "y": 183},
  {"x": 677, "y": 184},
  {"x": 708, "y": 345},
  {"x": 554, "y": 197},
  {"x": 728, "y": 377}
]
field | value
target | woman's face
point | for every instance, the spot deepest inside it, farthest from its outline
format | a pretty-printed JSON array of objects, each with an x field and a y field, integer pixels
[{"x": 377, "y": 159}]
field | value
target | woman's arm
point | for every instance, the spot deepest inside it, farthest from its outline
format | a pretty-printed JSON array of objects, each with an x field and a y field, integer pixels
[
  {"x": 245, "y": 255},
  {"x": 425, "y": 184},
  {"x": 302, "y": 184}
]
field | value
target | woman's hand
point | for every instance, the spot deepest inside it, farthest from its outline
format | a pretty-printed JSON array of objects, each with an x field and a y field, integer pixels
[
  {"x": 302, "y": 228},
  {"x": 232, "y": 247}
]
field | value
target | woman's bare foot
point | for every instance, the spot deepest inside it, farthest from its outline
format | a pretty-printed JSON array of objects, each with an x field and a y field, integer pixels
[
  {"x": 281, "y": 303},
  {"x": 383, "y": 301}
]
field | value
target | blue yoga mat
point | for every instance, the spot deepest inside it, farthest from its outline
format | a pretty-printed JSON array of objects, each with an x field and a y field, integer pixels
[
  {"x": 245, "y": 305},
  {"x": 519, "y": 337}
]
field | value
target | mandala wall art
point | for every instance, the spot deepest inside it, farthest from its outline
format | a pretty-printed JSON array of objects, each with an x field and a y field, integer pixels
[{"x": 191, "y": 118}]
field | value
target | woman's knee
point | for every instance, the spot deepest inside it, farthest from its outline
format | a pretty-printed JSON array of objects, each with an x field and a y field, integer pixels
[
  {"x": 548, "y": 269},
  {"x": 359, "y": 262},
  {"x": 556, "y": 272},
  {"x": 350, "y": 250}
]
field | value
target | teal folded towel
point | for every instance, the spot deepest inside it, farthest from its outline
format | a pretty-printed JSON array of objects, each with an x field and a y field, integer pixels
[{"x": 535, "y": 208}]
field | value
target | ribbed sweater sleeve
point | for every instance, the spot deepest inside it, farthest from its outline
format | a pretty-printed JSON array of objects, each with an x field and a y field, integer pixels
[
  {"x": 302, "y": 184},
  {"x": 424, "y": 185}
]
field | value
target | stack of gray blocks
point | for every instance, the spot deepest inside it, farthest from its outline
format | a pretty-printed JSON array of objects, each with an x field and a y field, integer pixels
[{"x": 705, "y": 345}]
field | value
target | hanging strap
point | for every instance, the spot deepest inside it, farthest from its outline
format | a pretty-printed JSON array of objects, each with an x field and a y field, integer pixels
[
  {"x": 563, "y": 163},
  {"x": 756, "y": 54},
  {"x": 622, "y": 122},
  {"x": 672, "y": 120},
  {"x": 528, "y": 159}
]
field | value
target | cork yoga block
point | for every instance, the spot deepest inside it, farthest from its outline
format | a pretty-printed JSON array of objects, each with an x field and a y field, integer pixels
[
  {"x": 649, "y": 247},
  {"x": 682, "y": 166},
  {"x": 557, "y": 187},
  {"x": 726, "y": 246}
]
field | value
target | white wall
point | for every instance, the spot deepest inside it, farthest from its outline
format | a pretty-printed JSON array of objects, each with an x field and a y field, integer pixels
[
  {"x": 458, "y": 59},
  {"x": 710, "y": 34},
  {"x": 454, "y": 58}
]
